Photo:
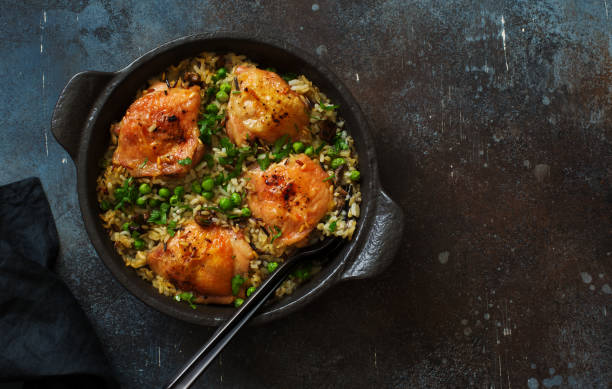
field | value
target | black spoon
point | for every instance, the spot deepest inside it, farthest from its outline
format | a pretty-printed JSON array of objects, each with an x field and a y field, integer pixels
[{"x": 187, "y": 375}]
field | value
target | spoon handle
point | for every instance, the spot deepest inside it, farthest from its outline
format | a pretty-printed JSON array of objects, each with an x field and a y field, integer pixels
[{"x": 209, "y": 351}]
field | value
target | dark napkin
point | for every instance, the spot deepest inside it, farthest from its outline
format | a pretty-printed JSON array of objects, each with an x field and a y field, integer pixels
[{"x": 45, "y": 338}]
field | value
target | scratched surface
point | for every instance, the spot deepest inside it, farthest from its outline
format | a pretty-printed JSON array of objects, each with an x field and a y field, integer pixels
[{"x": 493, "y": 125}]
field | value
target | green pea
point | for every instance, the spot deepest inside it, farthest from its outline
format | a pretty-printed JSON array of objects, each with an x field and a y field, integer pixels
[
  {"x": 212, "y": 108},
  {"x": 245, "y": 212},
  {"x": 225, "y": 87},
  {"x": 222, "y": 96},
  {"x": 208, "y": 195},
  {"x": 126, "y": 226},
  {"x": 298, "y": 147},
  {"x": 236, "y": 199},
  {"x": 355, "y": 175},
  {"x": 144, "y": 188},
  {"x": 174, "y": 200},
  {"x": 222, "y": 72},
  {"x": 139, "y": 244},
  {"x": 208, "y": 184},
  {"x": 179, "y": 191},
  {"x": 225, "y": 203},
  {"x": 272, "y": 266},
  {"x": 164, "y": 192},
  {"x": 309, "y": 151},
  {"x": 250, "y": 291},
  {"x": 142, "y": 201},
  {"x": 196, "y": 187},
  {"x": 153, "y": 203},
  {"x": 135, "y": 234},
  {"x": 219, "y": 179},
  {"x": 238, "y": 302},
  {"x": 336, "y": 162}
]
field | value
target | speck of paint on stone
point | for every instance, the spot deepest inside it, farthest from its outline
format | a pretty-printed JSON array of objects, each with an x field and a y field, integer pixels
[
  {"x": 527, "y": 164},
  {"x": 467, "y": 331},
  {"x": 571, "y": 365},
  {"x": 606, "y": 289},
  {"x": 443, "y": 257},
  {"x": 551, "y": 371},
  {"x": 600, "y": 275},
  {"x": 533, "y": 383},
  {"x": 541, "y": 171},
  {"x": 533, "y": 366},
  {"x": 321, "y": 50},
  {"x": 572, "y": 381},
  {"x": 586, "y": 277},
  {"x": 315, "y": 7},
  {"x": 464, "y": 322},
  {"x": 555, "y": 381},
  {"x": 591, "y": 287},
  {"x": 545, "y": 100},
  {"x": 498, "y": 324},
  {"x": 487, "y": 316}
]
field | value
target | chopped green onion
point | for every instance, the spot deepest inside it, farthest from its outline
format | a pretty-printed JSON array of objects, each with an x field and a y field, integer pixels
[
  {"x": 238, "y": 302},
  {"x": 139, "y": 244},
  {"x": 272, "y": 266},
  {"x": 328, "y": 107},
  {"x": 185, "y": 162},
  {"x": 208, "y": 195},
  {"x": 355, "y": 175},
  {"x": 104, "y": 205},
  {"x": 212, "y": 108},
  {"x": 330, "y": 178},
  {"x": 337, "y": 162},
  {"x": 250, "y": 291},
  {"x": 278, "y": 234},
  {"x": 186, "y": 296},
  {"x": 332, "y": 226},
  {"x": 144, "y": 163},
  {"x": 179, "y": 191}
]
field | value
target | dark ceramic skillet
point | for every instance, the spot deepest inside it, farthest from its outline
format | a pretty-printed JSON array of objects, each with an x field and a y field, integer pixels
[{"x": 93, "y": 100}]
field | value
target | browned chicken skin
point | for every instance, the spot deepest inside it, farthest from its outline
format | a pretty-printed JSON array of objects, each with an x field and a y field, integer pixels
[
  {"x": 290, "y": 196},
  {"x": 266, "y": 108},
  {"x": 204, "y": 260},
  {"x": 159, "y": 130}
]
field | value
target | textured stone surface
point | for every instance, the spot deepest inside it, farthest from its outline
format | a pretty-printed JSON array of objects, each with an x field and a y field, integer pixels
[{"x": 493, "y": 124}]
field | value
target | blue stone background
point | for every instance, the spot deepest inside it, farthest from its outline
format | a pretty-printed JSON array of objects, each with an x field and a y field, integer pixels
[{"x": 493, "y": 125}]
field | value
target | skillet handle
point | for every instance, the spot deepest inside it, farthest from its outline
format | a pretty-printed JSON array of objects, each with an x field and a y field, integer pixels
[
  {"x": 382, "y": 243},
  {"x": 73, "y": 107}
]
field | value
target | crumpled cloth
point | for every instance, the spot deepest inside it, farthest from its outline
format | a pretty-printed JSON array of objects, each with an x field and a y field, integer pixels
[{"x": 46, "y": 340}]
